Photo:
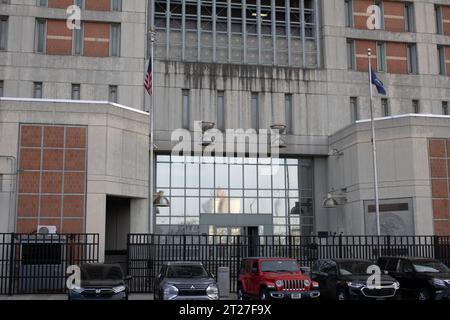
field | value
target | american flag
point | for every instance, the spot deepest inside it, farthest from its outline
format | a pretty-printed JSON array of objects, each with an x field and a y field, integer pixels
[{"x": 148, "y": 82}]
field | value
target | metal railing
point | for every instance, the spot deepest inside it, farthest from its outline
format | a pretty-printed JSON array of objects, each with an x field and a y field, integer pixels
[
  {"x": 147, "y": 252},
  {"x": 37, "y": 263}
]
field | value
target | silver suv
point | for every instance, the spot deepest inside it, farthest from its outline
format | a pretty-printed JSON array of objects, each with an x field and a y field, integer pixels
[{"x": 185, "y": 281}]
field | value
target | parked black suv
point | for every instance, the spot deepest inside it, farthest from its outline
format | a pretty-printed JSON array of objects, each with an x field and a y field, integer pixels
[
  {"x": 345, "y": 279},
  {"x": 185, "y": 281},
  {"x": 101, "y": 282},
  {"x": 419, "y": 278}
]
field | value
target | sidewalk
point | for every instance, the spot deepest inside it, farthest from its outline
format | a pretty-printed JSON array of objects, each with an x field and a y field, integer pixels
[{"x": 135, "y": 296}]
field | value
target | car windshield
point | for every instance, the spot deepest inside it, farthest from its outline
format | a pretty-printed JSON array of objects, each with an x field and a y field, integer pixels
[
  {"x": 279, "y": 266},
  {"x": 101, "y": 272},
  {"x": 430, "y": 266},
  {"x": 186, "y": 271},
  {"x": 354, "y": 267}
]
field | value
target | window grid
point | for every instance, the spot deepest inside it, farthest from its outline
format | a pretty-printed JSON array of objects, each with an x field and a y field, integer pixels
[
  {"x": 229, "y": 31},
  {"x": 206, "y": 185}
]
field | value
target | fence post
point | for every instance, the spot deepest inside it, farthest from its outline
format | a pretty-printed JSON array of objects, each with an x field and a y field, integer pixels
[
  {"x": 388, "y": 246},
  {"x": 11, "y": 266},
  {"x": 184, "y": 247},
  {"x": 437, "y": 247},
  {"x": 340, "y": 245}
]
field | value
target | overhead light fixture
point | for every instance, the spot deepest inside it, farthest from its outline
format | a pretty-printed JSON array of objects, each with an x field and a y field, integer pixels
[
  {"x": 336, "y": 153},
  {"x": 280, "y": 127},
  {"x": 263, "y": 14},
  {"x": 160, "y": 200},
  {"x": 335, "y": 199}
]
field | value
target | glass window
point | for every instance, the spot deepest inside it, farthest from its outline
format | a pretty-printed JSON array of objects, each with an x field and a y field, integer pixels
[
  {"x": 37, "y": 90},
  {"x": 381, "y": 56},
  {"x": 415, "y": 106},
  {"x": 254, "y": 112},
  {"x": 1, "y": 88},
  {"x": 76, "y": 91},
  {"x": 385, "y": 107},
  {"x": 3, "y": 32},
  {"x": 445, "y": 108},
  {"x": 79, "y": 3},
  {"x": 78, "y": 36},
  {"x": 40, "y": 35},
  {"x": 349, "y": 13},
  {"x": 113, "y": 94},
  {"x": 409, "y": 17},
  {"x": 185, "y": 112},
  {"x": 351, "y": 58},
  {"x": 354, "y": 110},
  {"x": 412, "y": 59},
  {"x": 288, "y": 113},
  {"x": 115, "y": 40},
  {"x": 42, "y": 3},
  {"x": 442, "y": 63},
  {"x": 221, "y": 110},
  {"x": 439, "y": 20},
  {"x": 116, "y": 5}
]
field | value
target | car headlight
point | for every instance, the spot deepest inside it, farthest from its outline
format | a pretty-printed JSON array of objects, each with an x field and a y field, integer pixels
[
  {"x": 119, "y": 289},
  {"x": 355, "y": 285},
  {"x": 396, "y": 285},
  {"x": 170, "y": 292},
  {"x": 279, "y": 283},
  {"x": 307, "y": 283},
  {"x": 438, "y": 282},
  {"x": 77, "y": 289},
  {"x": 212, "y": 292},
  {"x": 315, "y": 284}
]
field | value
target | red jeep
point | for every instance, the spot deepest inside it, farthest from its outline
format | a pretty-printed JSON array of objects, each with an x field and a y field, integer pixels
[{"x": 274, "y": 278}]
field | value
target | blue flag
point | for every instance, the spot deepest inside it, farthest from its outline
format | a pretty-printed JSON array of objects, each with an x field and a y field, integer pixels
[{"x": 377, "y": 83}]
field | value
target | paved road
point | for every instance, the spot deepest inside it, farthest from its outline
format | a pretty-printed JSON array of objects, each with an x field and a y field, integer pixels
[{"x": 64, "y": 297}]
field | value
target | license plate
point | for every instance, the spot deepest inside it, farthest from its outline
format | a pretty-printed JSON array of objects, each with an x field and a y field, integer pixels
[{"x": 296, "y": 296}]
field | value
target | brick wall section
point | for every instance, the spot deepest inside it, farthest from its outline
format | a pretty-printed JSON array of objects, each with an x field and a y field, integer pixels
[
  {"x": 52, "y": 188},
  {"x": 446, "y": 19},
  {"x": 362, "y": 63},
  {"x": 396, "y": 57},
  {"x": 62, "y": 4},
  {"x": 59, "y": 38},
  {"x": 96, "y": 39},
  {"x": 97, "y": 5},
  {"x": 439, "y": 157},
  {"x": 394, "y": 16}
]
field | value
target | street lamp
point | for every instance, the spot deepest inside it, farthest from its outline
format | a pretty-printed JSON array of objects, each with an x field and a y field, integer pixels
[{"x": 160, "y": 200}]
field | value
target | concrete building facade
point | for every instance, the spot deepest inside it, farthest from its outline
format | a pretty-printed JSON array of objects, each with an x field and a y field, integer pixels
[{"x": 242, "y": 65}]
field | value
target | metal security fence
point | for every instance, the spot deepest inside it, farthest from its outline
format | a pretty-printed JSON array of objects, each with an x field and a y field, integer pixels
[
  {"x": 37, "y": 263},
  {"x": 147, "y": 252}
]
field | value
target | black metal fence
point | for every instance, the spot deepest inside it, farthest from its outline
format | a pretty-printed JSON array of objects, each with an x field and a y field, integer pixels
[
  {"x": 37, "y": 263},
  {"x": 147, "y": 252}
]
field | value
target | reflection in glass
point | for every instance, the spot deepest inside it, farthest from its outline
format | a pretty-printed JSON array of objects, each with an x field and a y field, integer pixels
[
  {"x": 250, "y": 177},
  {"x": 177, "y": 177},
  {"x": 264, "y": 179},
  {"x": 206, "y": 205},
  {"x": 192, "y": 175},
  {"x": 235, "y": 205},
  {"x": 192, "y": 207},
  {"x": 250, "y": 205},
  {"x": 177, "y": 206},
  {"x": 265, "y": 206},
  {"x": 292, "y": 177},
  {"x": 221, "y": 176},
  {"x": 236, "y": 177},
  {"x": 279, "y": 207},
  {"x": 279, "y": 178},
  {"x": 206, "y": 175},
  {"x": 163, "y": 175}
]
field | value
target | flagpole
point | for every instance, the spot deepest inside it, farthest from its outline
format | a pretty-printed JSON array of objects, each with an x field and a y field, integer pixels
[
  {"x": 374, "y": 148},
  {"x": 151, "y": 160}
]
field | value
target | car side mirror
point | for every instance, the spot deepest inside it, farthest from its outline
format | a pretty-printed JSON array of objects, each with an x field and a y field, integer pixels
[
  {"x": 128, "y": 278},
  {"x": 212, "y": 275},
  {"x": 255, "y": 270}
]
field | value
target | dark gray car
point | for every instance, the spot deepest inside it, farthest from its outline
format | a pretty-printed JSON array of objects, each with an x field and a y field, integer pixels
[{"x": 185, "y": 281}]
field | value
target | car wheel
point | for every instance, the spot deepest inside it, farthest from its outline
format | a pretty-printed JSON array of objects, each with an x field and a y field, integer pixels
[
  {"x": 341, "y": 294},
  {"x": 240, "y": 293},
  {"x": 264, "y": 294},
  {"x": 423, "y": 295}
]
